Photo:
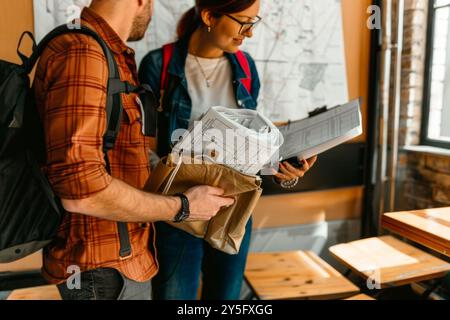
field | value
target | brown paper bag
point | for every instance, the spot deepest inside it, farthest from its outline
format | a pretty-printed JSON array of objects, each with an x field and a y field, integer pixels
[{"x": 226, "y": 230}]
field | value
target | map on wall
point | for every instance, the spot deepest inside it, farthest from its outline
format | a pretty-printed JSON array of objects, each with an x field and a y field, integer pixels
[{"x": 298, "y": 48}]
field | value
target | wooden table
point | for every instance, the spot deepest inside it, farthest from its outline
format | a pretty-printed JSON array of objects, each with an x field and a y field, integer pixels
[
  {"x": 430, "y": 227},
  {"x": 389, "y": 262},
  {"x": 295, "y": 275}
]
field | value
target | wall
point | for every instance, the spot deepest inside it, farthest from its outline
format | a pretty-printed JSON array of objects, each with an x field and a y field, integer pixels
[
  {"x": 357, "y": 50},
  {"x": 17, "y": 17},
  {"x": 425, "y": 180},
  {"x": 413, "y": 63}
]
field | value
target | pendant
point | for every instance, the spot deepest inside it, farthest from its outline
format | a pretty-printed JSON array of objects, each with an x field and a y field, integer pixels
[{"x": 208, "y": 84}]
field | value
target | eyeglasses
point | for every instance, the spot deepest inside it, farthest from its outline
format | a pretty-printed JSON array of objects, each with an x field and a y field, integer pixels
[{"x": 246, "y": 27}]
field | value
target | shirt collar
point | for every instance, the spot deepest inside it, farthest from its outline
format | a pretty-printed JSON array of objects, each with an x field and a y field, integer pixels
[{"x": 105, "y": 31}]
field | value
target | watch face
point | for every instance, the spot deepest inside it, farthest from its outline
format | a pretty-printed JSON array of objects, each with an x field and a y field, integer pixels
[
  {"x": 181, "y": 216},
  {"x": 184, "y": 216}
]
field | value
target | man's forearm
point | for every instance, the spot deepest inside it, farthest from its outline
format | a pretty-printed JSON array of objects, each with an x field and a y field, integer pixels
[{"x": 121, "y": 202}]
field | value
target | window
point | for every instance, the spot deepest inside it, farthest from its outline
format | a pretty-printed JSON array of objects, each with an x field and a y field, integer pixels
[{"x": 436, "y": 115}]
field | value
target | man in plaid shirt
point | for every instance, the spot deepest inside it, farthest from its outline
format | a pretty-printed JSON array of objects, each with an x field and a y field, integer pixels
[{"x": 70, "y": 89}]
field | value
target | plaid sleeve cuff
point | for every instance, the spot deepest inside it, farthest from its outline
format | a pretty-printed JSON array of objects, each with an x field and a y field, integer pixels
[{"x": 80, "y": 185}]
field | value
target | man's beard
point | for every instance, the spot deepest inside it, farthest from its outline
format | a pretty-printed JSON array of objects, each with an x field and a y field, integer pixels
[{"x": 140, "y": 24}]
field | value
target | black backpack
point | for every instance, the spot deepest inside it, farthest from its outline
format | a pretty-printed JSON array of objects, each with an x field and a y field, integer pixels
[{"x": 30, "y": 214}]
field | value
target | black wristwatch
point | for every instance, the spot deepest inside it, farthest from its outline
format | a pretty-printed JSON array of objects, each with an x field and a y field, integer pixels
[{"x": 184, "y": 212}]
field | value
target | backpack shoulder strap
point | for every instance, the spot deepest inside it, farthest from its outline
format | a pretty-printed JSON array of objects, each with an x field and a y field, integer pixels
[
  {"x": 114, "y": 107},
  {"x": 243, "y": 62},
  {"x": 167, "y": 51},
  {"x": 64, "y": 29}
]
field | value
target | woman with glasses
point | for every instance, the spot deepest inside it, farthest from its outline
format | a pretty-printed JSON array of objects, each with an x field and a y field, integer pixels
[{"x": 204, "y": 70}]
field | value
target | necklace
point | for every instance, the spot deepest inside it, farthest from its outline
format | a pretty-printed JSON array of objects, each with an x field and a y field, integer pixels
[{"x": 207, "y": 79}]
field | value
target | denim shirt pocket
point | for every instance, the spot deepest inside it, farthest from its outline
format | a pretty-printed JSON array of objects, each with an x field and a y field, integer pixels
[
  {"x": 247, "y": 103},
  {"x": 183, "y": 115},
  {"x": 244, "y": 99}
]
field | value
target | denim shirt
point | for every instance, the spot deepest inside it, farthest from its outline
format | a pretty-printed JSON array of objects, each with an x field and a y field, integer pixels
[{"x": 150, "y": 73}]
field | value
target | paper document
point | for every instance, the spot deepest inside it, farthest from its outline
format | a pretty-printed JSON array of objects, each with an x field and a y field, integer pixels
[
  {"x": 312, "y": 136},
  {"x": 239, "y": 138}
]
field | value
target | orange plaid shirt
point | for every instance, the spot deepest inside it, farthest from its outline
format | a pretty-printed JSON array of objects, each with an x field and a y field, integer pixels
[{"x": 70, "y": 89}]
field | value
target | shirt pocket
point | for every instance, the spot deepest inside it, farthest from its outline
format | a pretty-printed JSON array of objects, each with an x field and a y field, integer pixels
[
  {"x": 247, "y": 103},
  {"x": 183, "y": 115},
  {"x": 133, "y": 121}
]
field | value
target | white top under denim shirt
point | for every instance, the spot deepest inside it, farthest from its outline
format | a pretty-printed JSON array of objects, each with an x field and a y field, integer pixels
[{"x": 220, "y": 92}]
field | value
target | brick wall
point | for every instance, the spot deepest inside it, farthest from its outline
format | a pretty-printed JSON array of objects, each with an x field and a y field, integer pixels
[
  {"x": 413, "y": 62},
  {"x": 423, "y": 179}
]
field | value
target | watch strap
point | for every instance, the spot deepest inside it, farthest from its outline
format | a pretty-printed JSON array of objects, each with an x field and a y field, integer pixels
[{"x": 184, "y": 212}]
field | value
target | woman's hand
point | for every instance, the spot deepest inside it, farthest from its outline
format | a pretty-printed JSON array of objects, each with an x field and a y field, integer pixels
[{"x": 288, "y": 172}]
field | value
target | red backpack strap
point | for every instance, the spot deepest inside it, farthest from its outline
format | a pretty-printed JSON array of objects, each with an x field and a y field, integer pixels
[
  {"x": 243, "y": 61},
  {"x": 168, "y": 50}
]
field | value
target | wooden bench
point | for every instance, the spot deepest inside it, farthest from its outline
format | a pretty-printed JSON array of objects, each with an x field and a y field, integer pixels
[
  {"x": 23, "y": 273},
  {"x": 37, "y": 293},
  {"x": 295, "y": 275},
  {"x": 31, "y": 262},
  {"x": 388, "y": 262},
  {"x": 360, "y": 297},
  {"x": 430, "y": 227}
]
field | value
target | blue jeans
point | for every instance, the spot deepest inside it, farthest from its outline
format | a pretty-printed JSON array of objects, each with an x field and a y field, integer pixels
[
  {"x": 183, "y": 257},
  {"x": 106, "y": 284}
]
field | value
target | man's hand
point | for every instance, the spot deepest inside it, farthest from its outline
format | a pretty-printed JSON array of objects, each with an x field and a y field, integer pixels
[
  {"x": 205, "y": 202},
  {"x": 288, "y": 172}
]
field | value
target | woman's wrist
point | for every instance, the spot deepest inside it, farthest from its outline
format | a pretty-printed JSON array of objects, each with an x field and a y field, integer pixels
[{"x": 287, "y": 184}]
